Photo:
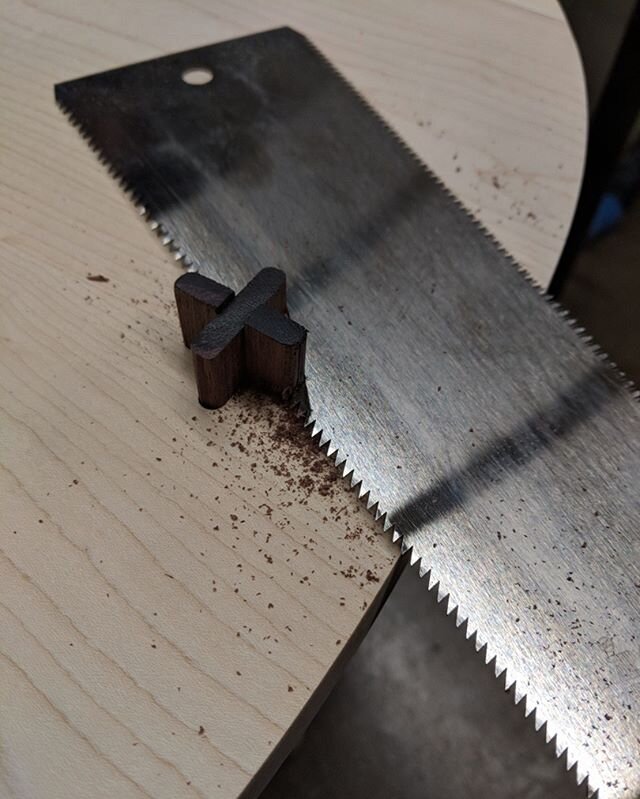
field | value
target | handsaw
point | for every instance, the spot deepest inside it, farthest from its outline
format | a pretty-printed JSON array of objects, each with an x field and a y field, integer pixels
[{"x": 496, "y": 442}]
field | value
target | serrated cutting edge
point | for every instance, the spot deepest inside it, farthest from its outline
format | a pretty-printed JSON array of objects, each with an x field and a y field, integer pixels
[
  {"x": 342, "y": 459},
  {"x": 355, "y": 482},
  {"x": 167, "y": 239}
]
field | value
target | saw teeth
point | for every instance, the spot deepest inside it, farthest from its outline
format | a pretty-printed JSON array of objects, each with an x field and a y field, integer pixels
[
  {"x": 571, "y": 761},
  {"x": 404, "y": 546},
  {"x": 345, "y": 470},
  {"x": 470, "y": 632},
  {"x": 518, "y": 693},
  {"x": 520, "y": 697},
  {"x": 332, "y": 451},
  {"x": 341, "y": 465},
  {"x": 509, "y": 681},
  {"x": 538, "y": 723},
  {"x": 529, "y": 708},
  {"x": 580, "y": 774},
  {"x": 324, "y": 443},
  {"x": 449, "y": 605}
]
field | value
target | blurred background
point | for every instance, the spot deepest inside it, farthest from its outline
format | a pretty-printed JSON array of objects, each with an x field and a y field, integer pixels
[
  {"x": 598, "y": 277},
  {"x": 416, "y": 713}
]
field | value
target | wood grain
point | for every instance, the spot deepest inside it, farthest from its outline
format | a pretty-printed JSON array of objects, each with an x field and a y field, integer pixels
[{"x": 177, "y": 586}]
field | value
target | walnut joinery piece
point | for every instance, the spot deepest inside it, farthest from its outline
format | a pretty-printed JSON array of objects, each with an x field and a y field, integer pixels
[
  {"x": 274, "y": 351},
  {"x": 199, "y": 300},
  {"x": 219, "y": 367},
  {"x": 243, "y": 340}
]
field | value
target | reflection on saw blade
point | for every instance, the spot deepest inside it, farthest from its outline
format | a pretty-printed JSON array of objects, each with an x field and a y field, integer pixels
[{"x": 499, "y": 442}]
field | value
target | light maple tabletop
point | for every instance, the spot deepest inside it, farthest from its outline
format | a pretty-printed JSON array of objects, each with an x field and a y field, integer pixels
[{"x": 178, "y": 587}]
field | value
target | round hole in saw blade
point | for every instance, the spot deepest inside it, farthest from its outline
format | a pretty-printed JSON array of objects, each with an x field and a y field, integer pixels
[{"x": 197, "y": 76}]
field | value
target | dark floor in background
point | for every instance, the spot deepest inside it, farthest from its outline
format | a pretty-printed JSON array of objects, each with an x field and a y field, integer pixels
[
  {"x": 416, "y": 714},
  {"x": 603, "y": 292}
]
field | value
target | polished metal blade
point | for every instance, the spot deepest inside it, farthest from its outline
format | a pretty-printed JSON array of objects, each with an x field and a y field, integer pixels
[{"x": 502, "y": 446}]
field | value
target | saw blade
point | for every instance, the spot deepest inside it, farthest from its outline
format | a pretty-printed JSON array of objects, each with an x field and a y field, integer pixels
[{"x": 502, "y": 447}]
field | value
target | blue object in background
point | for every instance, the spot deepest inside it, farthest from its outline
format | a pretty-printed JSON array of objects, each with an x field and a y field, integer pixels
[
  {"x": 608, "y": 213},
  {"x": 622, "y": 189}
]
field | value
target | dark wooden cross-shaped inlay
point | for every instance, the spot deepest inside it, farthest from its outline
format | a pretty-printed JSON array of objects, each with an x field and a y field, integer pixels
[{"x": 243, "y": 340}]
